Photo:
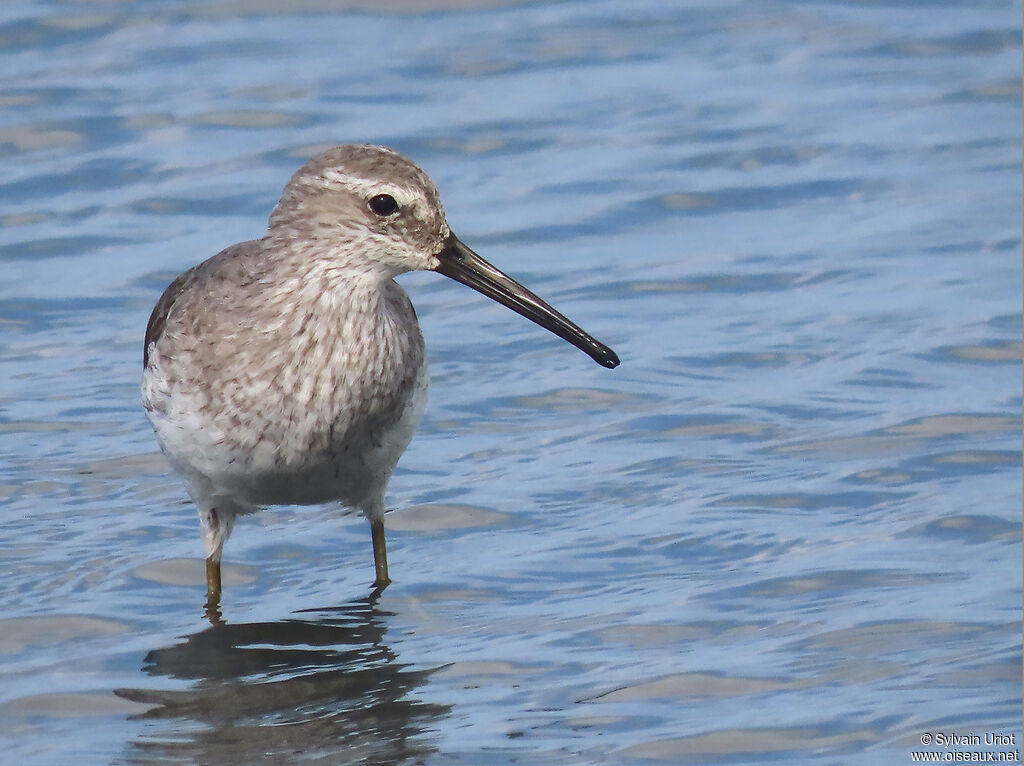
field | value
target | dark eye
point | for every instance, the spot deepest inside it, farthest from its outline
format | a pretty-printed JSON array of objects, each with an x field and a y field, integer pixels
[{"x": 383, "y": 204}]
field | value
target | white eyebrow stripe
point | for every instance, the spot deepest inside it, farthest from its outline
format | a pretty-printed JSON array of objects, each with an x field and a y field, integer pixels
[{"x": 365, "y": 187}]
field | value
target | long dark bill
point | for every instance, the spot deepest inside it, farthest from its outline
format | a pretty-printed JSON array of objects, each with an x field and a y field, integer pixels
[{"x": 463, "y": 265}]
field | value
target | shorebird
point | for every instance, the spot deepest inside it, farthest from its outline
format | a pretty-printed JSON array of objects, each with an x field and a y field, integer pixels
[{"x": 290, "y": 369}]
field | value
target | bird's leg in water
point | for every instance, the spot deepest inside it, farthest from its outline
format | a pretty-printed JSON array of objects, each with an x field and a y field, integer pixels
[
  {"x": 213, "y": 589},
  {"x": 380, "y": 554}
]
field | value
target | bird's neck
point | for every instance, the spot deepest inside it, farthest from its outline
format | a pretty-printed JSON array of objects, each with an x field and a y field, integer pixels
[
  {"x": 327, "y": 273},
  {"x": 351, "y": 333}
]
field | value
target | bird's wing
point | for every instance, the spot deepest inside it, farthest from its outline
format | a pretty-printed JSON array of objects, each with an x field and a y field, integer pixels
[{"x": 231, "y": 263}]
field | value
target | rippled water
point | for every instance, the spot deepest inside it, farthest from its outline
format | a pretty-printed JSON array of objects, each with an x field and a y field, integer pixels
[{"x": 787, "y": 528}]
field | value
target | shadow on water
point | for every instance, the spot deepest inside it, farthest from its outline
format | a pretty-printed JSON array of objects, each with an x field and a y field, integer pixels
[{"x": 327, "y": 685}]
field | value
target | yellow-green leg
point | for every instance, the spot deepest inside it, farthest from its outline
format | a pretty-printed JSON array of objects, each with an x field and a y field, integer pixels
[
  {"x": 380, "y": 553},
  {"x": 213, "y": 590}
]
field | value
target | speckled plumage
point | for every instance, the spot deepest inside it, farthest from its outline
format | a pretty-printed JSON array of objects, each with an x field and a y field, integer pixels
[{"x": 291, "y": 369}]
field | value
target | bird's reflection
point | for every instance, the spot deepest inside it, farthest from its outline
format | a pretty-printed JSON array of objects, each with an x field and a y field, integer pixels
[{"x": 323, "y": 686}]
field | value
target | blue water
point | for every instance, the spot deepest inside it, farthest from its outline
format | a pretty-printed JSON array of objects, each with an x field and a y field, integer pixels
[{"x": 786, "y": 529}]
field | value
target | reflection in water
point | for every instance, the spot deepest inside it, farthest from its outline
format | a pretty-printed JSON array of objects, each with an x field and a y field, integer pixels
[{"x": 328, "y": 686}]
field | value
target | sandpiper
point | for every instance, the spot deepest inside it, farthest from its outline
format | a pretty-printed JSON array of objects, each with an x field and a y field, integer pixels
[{"x": 291, "y": 369}]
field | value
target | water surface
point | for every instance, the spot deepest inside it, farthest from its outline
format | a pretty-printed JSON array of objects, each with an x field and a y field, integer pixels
[{"x": 787, "y": 528}]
